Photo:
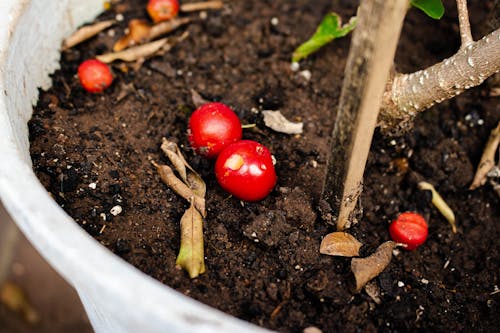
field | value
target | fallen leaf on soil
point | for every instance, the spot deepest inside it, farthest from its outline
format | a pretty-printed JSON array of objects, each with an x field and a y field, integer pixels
[
  {"x": 14, "y": 298},
  {"x": 191, "y": 255},
  {"x": 140, "y": 31},
  {"x": 203, "y": 5},
  {"x": 136, "y": 53},
  {"x": 365, "y": 269},
  {"x": 85, "y": 33},
  {"x": 187, "y": 173},
  {"x": 276, "y": 121},
  {"x": 440, "y": 204},
  {"x": 178, "y": 186},
  {"x": 197, "y": 99},
  {"x": 487, "y": 161},
  {"x": 373, "y": 291},
  {"x": 340, "y": 244}
]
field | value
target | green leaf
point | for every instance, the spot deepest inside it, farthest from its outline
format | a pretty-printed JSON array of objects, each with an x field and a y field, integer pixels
[
  {"x": 433, "y": 8},
  {"x": 329, "y": 29}
]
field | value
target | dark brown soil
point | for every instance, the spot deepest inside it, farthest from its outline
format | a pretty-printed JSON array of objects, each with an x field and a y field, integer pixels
[{"x": 278, "y": 279}]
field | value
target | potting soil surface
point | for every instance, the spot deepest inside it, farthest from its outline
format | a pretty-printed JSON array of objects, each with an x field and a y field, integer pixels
[{"x": 93, "y": 152}]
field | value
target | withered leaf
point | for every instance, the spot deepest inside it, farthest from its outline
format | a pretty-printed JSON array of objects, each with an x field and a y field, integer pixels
[
  {"x": 178, "y": 186},
  {"x": 191, "y": 256},
  {"x": 340, "y": 244},
  {"x": 440, "y": 204},
  {"x": 14, "y": 298},
  {"x": 140, "y": 31},
  {"x": 277, "y": 122},
  {"x": 85, "y": 33},
  {"x": 186, "y": 172},
  {"x": 197, "y": 99},
  {"x": 487, "y": 161},
  {"x": 203, "y": 5},
  {"x": 373, "y": 291},
  {"x": 365, "y": 269},
  {"x": 135, "y": 53}
]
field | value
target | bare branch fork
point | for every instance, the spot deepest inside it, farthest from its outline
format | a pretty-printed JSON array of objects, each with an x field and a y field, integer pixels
[{"x": 409, "y": 94}]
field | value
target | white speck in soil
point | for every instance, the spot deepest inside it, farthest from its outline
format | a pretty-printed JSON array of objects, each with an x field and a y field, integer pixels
[
  {"x": 275, "y": 21},
  {"x": 93, "y": 186},
  {"x": 401, "y": 284},
  {"x": 116, "y": 210},
  {"x": 295, "y": 66}
]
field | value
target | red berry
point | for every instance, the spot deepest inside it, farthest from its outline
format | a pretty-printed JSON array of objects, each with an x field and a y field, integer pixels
[
  {"x": 212, "y": 127},
  {"x": 245, "y": 169},
  {"x": 94, "y": 75},
  {"x": 409, "y": 229},
  {"x": 162, "y": 10}
]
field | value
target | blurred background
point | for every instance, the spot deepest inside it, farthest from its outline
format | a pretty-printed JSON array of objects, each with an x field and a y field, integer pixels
[{"x": 33, "y": 297}]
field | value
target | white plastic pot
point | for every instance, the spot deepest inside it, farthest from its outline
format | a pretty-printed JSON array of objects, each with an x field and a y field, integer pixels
[{"x": 116, "y": 296}]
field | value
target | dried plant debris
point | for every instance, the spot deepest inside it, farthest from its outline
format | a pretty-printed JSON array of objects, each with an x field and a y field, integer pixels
[
  {"x": 15, "y": 299},
  {"x": 141, "y": 52},
  {"x": 365, "y": 269},
  {"x": 140, "y": 31},
  {"x": 276, "y": 121},
  {"x": 487, "y": 162},
  {"x": 440, "y": 204},
  {"x": 191, "y": 187},
  {"x": 85, "y": 33},
  {"x": 197, "y": 99},
  {"x": 203, "y": 5},
  {"x": 340, "y": 244},
  {"x": 191, "y": 253},
  {"x": 373, "y": 290}
]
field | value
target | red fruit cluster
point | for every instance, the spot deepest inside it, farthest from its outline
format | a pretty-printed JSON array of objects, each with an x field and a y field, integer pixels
[
  {"x": 94, "y": 75},
  {"x": 409, "y": 229},
  {"x": 243, "y": 168}
]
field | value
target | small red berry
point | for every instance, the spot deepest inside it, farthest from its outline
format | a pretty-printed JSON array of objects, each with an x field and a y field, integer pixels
[
  {"x": 245, "y": 169},
  {"x": 212, "y": 127},
  {"x": 94, "y": 75},
  {"x": 162, "y": 10},
  {"x": 409, "y": 229}
]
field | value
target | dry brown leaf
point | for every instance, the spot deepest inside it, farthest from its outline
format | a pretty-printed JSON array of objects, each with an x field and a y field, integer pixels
[
  {"x": 203, "y": 5},
  {"x": 487, "y": 161},
  {"x": 373, "y": 291},
  {"x": 197, "y": 99},
  {"x": 178, "y": 186},
  {"x": 365, "y": 269},
  {"x": 14, "y": 298},
  {"x": 85, "y": 33},
  {"x": 187, "y": 173},
  {"x": 140, "y": 31},
  {"x": 340, "y": 244},
  {"x": 191, "y": 255},
  {"x": 276, "y": 121},
  {"x": 135, "y": 53}
]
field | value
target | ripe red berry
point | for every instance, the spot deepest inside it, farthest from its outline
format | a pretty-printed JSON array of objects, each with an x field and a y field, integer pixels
[
  {"x": 162, "y": 10},
  {"x": 409, "y": 229},
  {"x": 245, "y": 169},
  {"x": 212, "y": 127},
  {"x": 94, "y": 75}
]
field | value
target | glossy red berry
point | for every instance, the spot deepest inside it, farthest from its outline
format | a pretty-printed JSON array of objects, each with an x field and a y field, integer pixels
[
  {"x": 212, "y": 127},
  {"x": 409, "y": 229},
  {"x": 162, "y": 10},
  {"x": 245, "y": 169},
  {"x": 94, "y": 75}
]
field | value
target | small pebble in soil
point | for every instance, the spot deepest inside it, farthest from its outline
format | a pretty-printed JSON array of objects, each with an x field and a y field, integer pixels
[
  {"x": 116, "y": 210},
  {"x": 93, "y": 186}
]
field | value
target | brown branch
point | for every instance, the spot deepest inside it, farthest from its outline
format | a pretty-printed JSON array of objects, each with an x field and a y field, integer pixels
[
  {"x": 463, "y": 20},
  {"x": 487, "y": 159},
  {"x": 408, "y": 94}
]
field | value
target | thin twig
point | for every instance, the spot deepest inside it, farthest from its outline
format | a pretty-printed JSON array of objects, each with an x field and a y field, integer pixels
[
  {"x": 463, "y": 20},
  {"x": 487, "y": 161},
  {"x": 196, "y": 6}
]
